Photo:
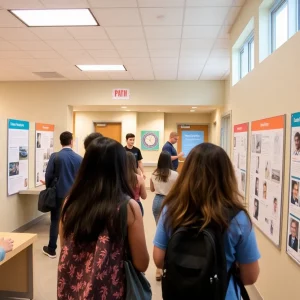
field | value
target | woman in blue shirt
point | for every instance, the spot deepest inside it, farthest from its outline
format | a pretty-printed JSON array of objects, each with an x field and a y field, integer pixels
[{"x": 205, "y": 190}]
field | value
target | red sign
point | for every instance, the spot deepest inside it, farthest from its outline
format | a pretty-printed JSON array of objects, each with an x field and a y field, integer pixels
[
  {"x": 120, "y": 94},
  {"x": 241, "y": 128}
]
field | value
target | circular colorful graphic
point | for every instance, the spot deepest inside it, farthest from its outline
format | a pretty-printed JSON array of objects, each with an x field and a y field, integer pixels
[{"x": 150, "y": 140}]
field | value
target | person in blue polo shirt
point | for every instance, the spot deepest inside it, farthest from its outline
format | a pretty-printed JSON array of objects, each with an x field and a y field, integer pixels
[{"x": 168, "y": 147}]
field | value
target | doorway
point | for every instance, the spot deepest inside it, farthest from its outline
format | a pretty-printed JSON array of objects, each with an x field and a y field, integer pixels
[
  {"x": 111, "y": 130},
  {"x": 189, "y": 137}
]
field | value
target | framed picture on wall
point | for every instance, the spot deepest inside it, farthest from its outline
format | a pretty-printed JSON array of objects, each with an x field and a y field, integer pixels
[{"x": 150, "y": 140}]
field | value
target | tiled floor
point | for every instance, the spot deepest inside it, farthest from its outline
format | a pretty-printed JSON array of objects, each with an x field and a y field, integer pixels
[{"x": 45, "y": 268}]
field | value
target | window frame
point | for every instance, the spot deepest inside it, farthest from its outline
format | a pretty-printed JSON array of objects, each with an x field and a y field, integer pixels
[{"x": 246, "y": 50}]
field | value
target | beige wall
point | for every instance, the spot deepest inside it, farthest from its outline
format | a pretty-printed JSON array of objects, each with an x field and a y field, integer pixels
[
  {"x": 271, "y": 89},
  {"x": 53, "y": 102}
]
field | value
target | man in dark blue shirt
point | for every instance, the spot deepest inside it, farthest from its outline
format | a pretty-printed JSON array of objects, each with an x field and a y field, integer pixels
[
  {"x": 168, "y": 147},
  {"x": 67, "y": 163}
]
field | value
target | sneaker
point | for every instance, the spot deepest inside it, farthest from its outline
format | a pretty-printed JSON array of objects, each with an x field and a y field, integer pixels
[{"x": 48, "y": 252}]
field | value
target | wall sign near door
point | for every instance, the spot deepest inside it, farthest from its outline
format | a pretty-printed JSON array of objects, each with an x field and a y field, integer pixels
[
  {"x": 190, "y": 139},
  {"x": 121, "y": 94}
]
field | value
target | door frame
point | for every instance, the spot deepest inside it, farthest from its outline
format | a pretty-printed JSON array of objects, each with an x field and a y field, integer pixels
[
  {"x": 110, "y": 122},
  {"x": 200, "y": 124},
  {"x": 227, "y": 115}
]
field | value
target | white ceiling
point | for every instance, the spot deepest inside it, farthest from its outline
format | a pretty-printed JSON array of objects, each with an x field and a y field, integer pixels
[
  {"x": 147, "y": 108},
  {"x": 154, "y": 39}
]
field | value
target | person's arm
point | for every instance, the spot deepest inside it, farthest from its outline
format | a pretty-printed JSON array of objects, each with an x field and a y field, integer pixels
[
  {"x": 136, "y": 237},
  {"x": 61, "y": 233},
  {"x": 152, "y": 189},
  {"x": 49, "y": 176},
  {"x": 143, "y": 192},
  {"x": 141, "y": 167},
  {"x": 160, "y": 242},
  {"x": 247, "y": 253},
  {"x": 178, "y": 156},
  {"x": 6, "y": 245}
]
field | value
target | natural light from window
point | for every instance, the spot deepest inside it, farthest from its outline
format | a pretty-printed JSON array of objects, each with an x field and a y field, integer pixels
[{"x": 281, "y": 31}]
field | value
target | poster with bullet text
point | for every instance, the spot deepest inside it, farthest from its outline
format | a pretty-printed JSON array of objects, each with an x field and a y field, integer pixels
[
  {"x": 240, "y": 152},
  {"x": 17, "y": 154},
  {"x": 292, "y": 243},
  {"x": 266, "y": 175},
  {"x": 44, "y": 134}
]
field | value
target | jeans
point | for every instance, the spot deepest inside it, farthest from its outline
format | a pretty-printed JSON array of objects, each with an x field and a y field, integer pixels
[
  {"x": 55, "y": 216},
  {"x": 156, "y": 206}
]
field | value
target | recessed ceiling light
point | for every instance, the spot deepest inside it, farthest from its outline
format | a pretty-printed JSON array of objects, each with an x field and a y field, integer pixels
[
  {"x": 194, "y": 107},
  {"x": 91, "y": 68},
  {"x": 128, "y": 110},
  {"x": 158, "y": 110},
  {"x": 192, "y": 110},
  {"x": 124, "y": 107},
  {"x": 55, "y": 17}
]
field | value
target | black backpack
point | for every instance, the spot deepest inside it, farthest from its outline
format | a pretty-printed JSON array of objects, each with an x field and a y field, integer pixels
[{"x": 195, "y": 266}]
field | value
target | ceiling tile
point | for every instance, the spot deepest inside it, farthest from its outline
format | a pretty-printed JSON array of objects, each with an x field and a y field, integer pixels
[
  {"x": 205, "y": 16},
  {"x": 232, "y": 16},
  {"x": 103, "y": 53},
  {"x": 163, "y": 67},
  {"x": 190, "y": 67},
  {"x": 120, "y": 75},
  {"x": 8, "y": 20},
  {"x": 200, "y": 32},
  {"x": 163, "y": 32},
  {"x": 108, "y": 61},
  {"x": 210, "y": 3},
  {"x": 44, "y": 54},
  {"x": 164, "y": 44},
  {"x": 197, "y": 43},
  {"x": 218, "y": 62},
  {"x": 164, "y": 60},
  {"x": 96, "y": 44},
  {"x": 142, "y": 74},
  {"x": 136, "y": 53},
  {"x": 165, "y": 53},
  {"x": 162, "y": 16},
  {"x": 137, "y": 62},
  {"x": 48, "y": 33},
  {"x": 73, "y": 74},
  {"x": 32, "y": 45},
  {"x": 17, "y": 34},
  {"x": 198, "y": 53},
  {"x": 6, "y": 46},
  {"x": 64, "y": 45},
  {"x": 188, "y": 75},
  {"x": 20, "y": 4},
  {"x": 112, "y": 3},
  {"x": 222, "y": 44},
  {"x": 78, "y": 57},
  {"x": 14, "y": 54},
  {"x": 189, "y": 61},
  {"x": 118, "y": 16},
  {"x": 130, "y": 44},
  {"x": 88, "y": 33},
  {"x": 97, "y": 75},
  {"x": 210, "y": 77},
  {"x": 125, "y": 32},
  {"x": 65, "y": 3},
  {"x": 161, "y": 3},
  {"x": 165, "y": 75}
]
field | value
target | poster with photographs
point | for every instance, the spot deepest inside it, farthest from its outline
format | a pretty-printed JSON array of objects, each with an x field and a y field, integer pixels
[
  {"x": 240, "y": 151},
  {"x": 294, "y": 205},
  {"x": 44, "y": 134},
  {"x": 17, "y": 153},
  {"x": 266, "y": 175}
]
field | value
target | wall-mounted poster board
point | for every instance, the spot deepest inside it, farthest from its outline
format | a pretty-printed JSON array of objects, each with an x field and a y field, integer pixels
[
  {"x": 17, "y": 154},
  {"x": 266, "y": 175},
  {"x": 294, "y": 205},
  {"x": 44, "y": 134},
  {"x": 240, "y": 153}
]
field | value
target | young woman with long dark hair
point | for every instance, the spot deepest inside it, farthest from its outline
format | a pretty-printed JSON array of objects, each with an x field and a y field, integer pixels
[
  {"x": 205, "y": 191},
  {"x": 92, "y": 255},
  {"x": 135, "y": 180}
]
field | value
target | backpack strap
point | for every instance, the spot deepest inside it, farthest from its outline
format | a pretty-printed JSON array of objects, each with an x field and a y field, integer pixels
[
  {"x": 123, "y": 216},
  {"x": 234, "y": 272}
]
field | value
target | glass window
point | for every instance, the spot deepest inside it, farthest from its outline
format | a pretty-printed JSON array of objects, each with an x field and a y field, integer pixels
[
  {"x": 251, "y": 56},
  {"x": 246, "y": 57}
]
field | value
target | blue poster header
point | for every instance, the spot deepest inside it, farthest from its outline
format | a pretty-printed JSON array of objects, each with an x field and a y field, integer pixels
[
  {"x": 18, "y": 124},
  {"x": 190, "y": 139},
  {"x": 296, "y": 119}
]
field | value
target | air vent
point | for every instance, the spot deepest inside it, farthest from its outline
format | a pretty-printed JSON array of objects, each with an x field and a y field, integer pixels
[{"x": 48, "y": 75}]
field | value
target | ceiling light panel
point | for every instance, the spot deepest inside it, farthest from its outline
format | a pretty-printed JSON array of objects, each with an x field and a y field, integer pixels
[
  {"x": 55, "y": 17},
  {"x": 91, "y": 68}
]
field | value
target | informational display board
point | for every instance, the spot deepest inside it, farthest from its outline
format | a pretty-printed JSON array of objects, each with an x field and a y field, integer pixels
[
  {"x": 190, "y": 139},
  {"x": 294, "y": 205},
  {"x": 266, "y": 175},
  {"x": 17, "y": 154},
  {"x": 240, "y": 153},
  {"x": 44, "y": 134}
]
